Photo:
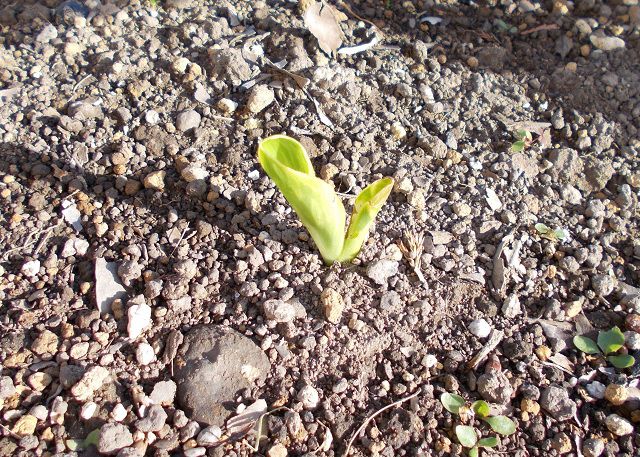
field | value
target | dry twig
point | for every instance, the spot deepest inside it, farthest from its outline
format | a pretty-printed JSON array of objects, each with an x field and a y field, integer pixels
[
  {"x": 411, "y": 247},
  {"x": 370, "y": 418}
]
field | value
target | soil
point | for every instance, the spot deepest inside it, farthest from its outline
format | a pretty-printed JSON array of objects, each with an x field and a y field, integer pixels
[{"x": 135, "y": 214}]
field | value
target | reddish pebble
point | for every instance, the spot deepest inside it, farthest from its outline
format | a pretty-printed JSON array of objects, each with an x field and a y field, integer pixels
[{"x": 632, "y": 322}]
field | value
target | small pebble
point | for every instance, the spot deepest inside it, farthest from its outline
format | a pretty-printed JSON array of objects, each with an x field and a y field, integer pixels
[
  {"x": 145, "y": 354},
  {"x": 480, "y": 328},
  {"x": 618, "y": 425}
]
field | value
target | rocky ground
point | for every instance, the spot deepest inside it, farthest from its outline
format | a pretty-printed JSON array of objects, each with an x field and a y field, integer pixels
[{"x": 158, "y": 294}]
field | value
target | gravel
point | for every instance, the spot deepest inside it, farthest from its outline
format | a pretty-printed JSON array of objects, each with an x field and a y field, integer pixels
[{"x": 136, "y": 215}]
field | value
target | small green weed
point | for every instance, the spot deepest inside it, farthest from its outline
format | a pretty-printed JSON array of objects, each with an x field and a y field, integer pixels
[
  {"x": 466, "y": 434},
  {"x": 608, "y": 345},
  {"x": 525, "y": 139}
]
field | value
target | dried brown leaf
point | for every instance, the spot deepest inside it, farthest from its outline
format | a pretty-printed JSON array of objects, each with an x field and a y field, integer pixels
[
  {"x": 321, "y": 21},
  {"x": 243, "y": 423}
]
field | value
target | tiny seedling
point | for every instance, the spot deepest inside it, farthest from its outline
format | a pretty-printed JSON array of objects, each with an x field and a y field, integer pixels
[
  {"x": 524, "y": 140},
  {"x": 80, "y": 445},
  {"x": 316, "y": 203},
  {"x": 550, "y": 234},
  {"x": 608, "y": 345},
  {"x": 466, "y": 434}
]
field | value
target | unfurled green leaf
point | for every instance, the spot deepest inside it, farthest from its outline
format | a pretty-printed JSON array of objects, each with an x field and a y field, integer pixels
[
  {"x": 586, "y": 345},
  {"x": 92, "y": 438},
  {"x": 518, "y": 146},
  {"x": 452, "y": 402},
  {"x": 524, "y": 135},
  {"x": 559, "y": 234},
  {"x": 473, "y": 452},
  {"x": 365, "y": 209},
  {"x": 480, "y": 408},
  {"x": 611, "y": 340},
  {"x": 79, "y": 445},
  {"x": 621, "y": 361},
  {"x": 316, "y": 203},
  {"x": 542, "y": 229},
  {"x": 490, "y": 441},
  {"x": 466, "y": 435},
  {"x": 501, "y": 424}
]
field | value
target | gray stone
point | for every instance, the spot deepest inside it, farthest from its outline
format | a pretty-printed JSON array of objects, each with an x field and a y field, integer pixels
[
  {"x": 603, "y": 285},
  {"x": 492, "y": 57},
  {"x": 129, "y": 271},
  {"x": 164, "y": 393},
  {"x": 260, "y": 97},
  {"x": 495, "y": 387},
  {"x": 153, "y": 421},
  {"x": 209, "y": 436},
  {"x": 7, "y": 389},
  {"x": 187, "y": 120},
  {"x": 381, "y": 270},
  {"x": 433, "y": 145},
  {"x": 555, "y": 400},
  {"x": 596, "y": 176},
  {"x": 228, "y": 64},
  {"x": 29, "y": 442},
  {"x": 309, "y": 397},
  {"x": 114, "y": 437},
  {"x": 48, "y": 33},
  {"x": 278, "y": 310},
  {"x": 593, "y": 447},
  {"x": 214, "y": 363},
  {"x": 618, "y": 425},
  {"x": 130, "y": 452},
  {"x": 567, "y": 165}
]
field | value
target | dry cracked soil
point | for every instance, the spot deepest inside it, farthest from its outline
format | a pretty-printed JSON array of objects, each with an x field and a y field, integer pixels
[{"x": 159, "y": 297}]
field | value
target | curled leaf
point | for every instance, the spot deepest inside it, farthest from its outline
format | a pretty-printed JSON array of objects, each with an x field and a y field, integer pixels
[
  {"x": 316, "y": 203},
  {"x": 320, "y": 19},
  {"x": 501, "y": 424},
  {"x": 586, "y": 345},
  {"x": 611, "y": 340},
  {"x": 466, "y": 435},
  {"x": 244, "y": 422},
  {"x": 365, "y": 209},
  {"x": 452, "y": 402}
]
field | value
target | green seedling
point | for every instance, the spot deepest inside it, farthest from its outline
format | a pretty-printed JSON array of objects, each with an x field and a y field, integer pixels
[
  {"x": 315, "y": 202},
  {"x": 550, "y": 234},
  {"x": 608, "y": 345},
  {"x": 80, "y": 445},
  {"x": 467, "y": 435},
  {"x": 524, "y": 140}
]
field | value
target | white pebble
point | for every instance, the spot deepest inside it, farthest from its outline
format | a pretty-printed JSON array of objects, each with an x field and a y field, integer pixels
[
  {"x": 480, "y": 328},
  {"x": 88, "y": 410},
  {"x": 429, "y": 361},
  {"x": 618, "y": 425},
  {"x": 193, "y": 173},
  {"x": 31, "y": 268},
  {"x": 119, "y": 413},
  {"x": 309, "y": 397},
  {"x": 152, "y": 117},
  {"x": 139, "y": 319},
  {"x": 145, "y": 354},
  {"x": 596, "y": 389}
]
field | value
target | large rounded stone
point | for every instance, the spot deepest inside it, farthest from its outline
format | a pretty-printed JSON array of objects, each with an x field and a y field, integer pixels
[{"x": 213, "y": 364}]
